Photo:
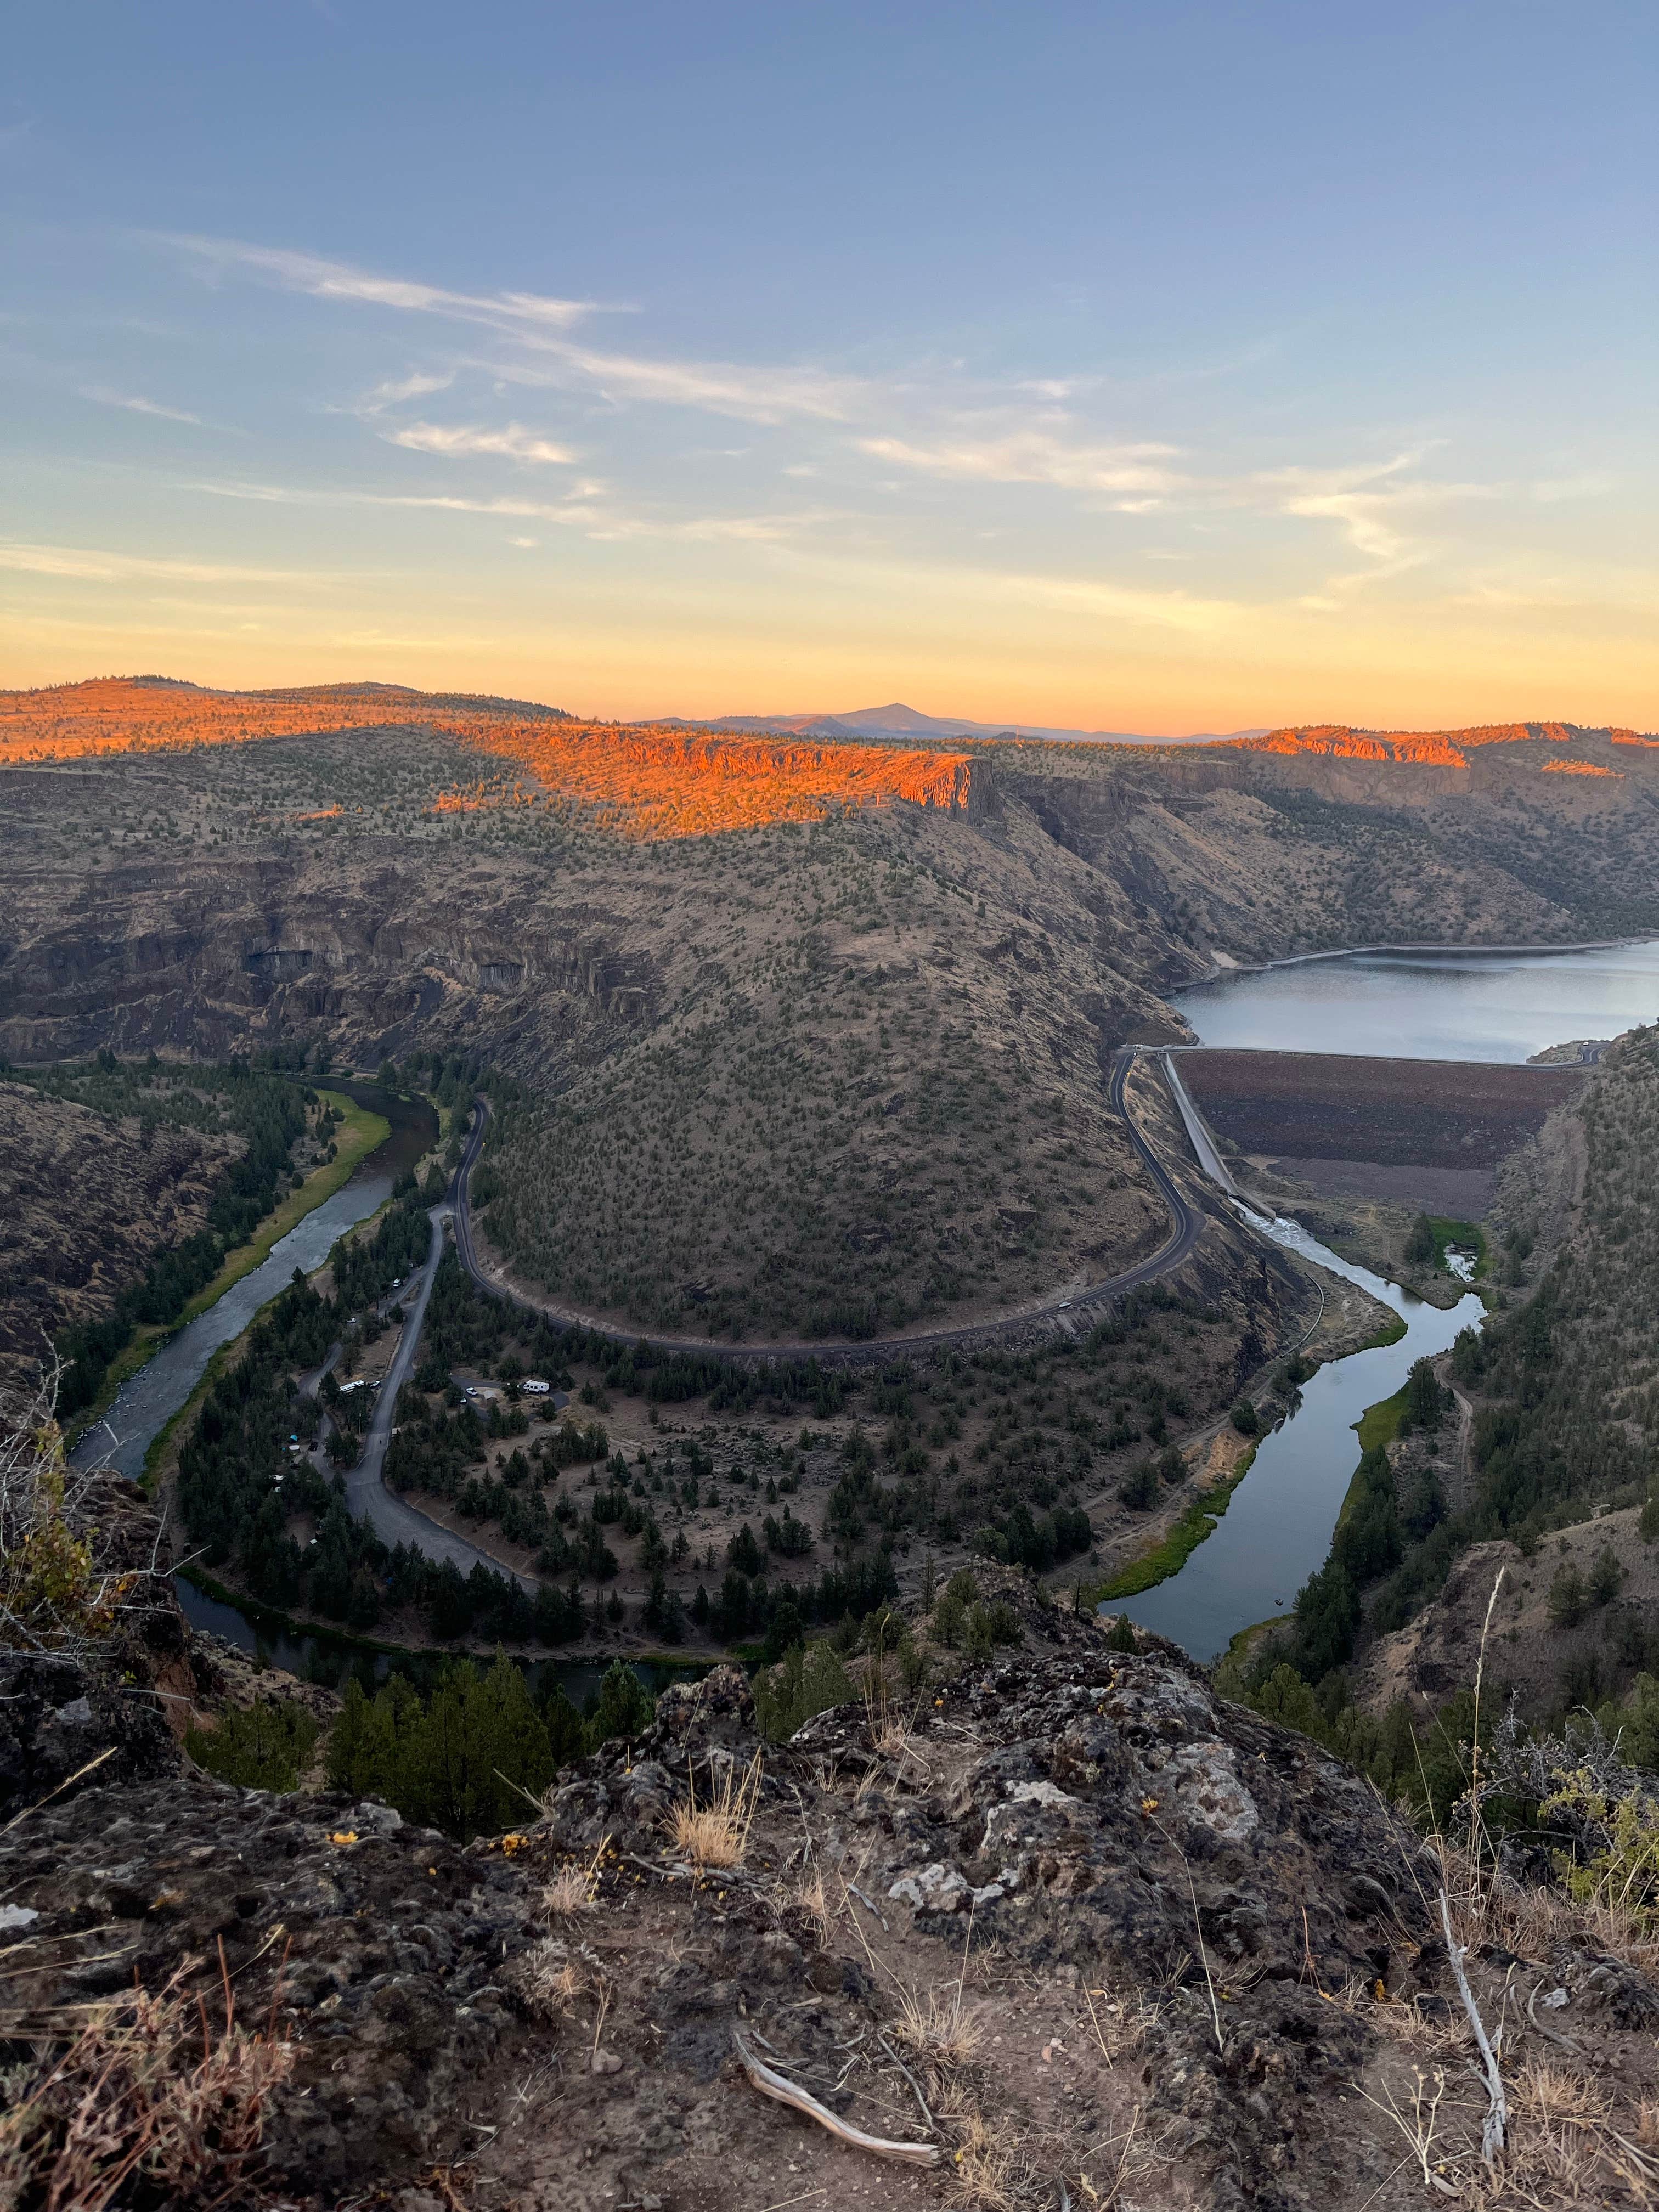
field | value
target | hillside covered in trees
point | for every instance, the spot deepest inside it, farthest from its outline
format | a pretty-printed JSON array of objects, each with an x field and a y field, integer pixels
[
  {"x": 811, "y": 1040},
  {"x": 1553, "y": 1481}
]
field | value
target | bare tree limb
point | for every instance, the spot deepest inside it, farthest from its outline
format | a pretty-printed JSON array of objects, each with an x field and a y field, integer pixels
[
  {"x": 1497, "y": 2120},
  {"x": 785, "y": 2091}
]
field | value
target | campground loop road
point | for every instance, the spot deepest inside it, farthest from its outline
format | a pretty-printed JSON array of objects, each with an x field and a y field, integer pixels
[
  {"x": 1186, "y": 1227},
  {"x": 392, "y": 1518}
]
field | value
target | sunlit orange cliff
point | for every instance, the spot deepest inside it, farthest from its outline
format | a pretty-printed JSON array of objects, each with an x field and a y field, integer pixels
[{"x": 645, "y": 782}]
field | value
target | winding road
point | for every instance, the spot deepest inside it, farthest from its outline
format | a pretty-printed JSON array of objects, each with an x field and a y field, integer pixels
[
  {"x": 392, "y": 1518},
  {"x": 1186, "y": 1227},
  {"x": 395, "y": 1521}
]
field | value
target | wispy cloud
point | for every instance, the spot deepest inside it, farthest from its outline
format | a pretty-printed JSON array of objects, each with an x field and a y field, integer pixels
[
  {"x": 939, "y": 421},
  {"x": 753, "y": 395},
  {"x": 512, "y": 442},
  {"x": 1047, "y": 452},
  {"x": 337, "y": 280},
  {"x": 572, "y": 507},
  {"x": 534, "y": 323},
  {"x": 84, "y": 564},
  {"x": 581, "y": 508},
  {"x": 420, "y": 384},
  {"x": 1380, "y": 509},
  {"x": 138, "y": 406},
  {"x": 1036, "y": 454}
]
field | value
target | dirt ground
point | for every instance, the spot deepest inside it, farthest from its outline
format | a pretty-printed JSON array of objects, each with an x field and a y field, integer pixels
[
  {"x": 1050, "y": 2029},
  {"x": 1399, "y": 1113},
  {"x": 1452, "y": 1194}
]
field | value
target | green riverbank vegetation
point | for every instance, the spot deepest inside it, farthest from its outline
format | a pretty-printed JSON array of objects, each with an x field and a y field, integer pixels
[
  {"x": 295, "y": 1147},
  {"x": 1564, "y": 1381}
]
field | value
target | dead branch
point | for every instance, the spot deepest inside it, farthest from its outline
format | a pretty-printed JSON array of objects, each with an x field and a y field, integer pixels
[
  {"x": 881, "y": 2038},
  {"x": 785, "y": 2091},
  {"x": 1492, "y": 2133}
]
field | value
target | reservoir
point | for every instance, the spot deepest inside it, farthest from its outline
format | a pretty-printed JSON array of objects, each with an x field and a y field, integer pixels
[
  {"x": 1499, "y": 1005},
  {"x": 148, "y": 1401}
]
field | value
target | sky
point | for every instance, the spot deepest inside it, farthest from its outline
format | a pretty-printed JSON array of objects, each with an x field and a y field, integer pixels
[{"x": 1153, "y": 366}]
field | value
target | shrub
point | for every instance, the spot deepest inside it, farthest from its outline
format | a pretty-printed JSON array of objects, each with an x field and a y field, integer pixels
[
  {"x": 624, "y": 1709},
  {"x": 950, "y": 1610},
  {"x": 53, "y": 1593},
  {"x": 1605, "y": 1575},
  {"x": 1138, "y": 1488},
  {"x": 463, "y": 1760},
  {"x": 259, "y": 1746},
  {"x": 1245, "y": 1419},
  {"x": 989, "y": 1626},
  {"x": 809, "y": 1680}
]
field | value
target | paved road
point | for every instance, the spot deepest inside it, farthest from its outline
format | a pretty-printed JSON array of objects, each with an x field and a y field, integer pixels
[
  {"x": 393, "y": 1519},
  {"x": 1070, "y": 1313},
  {"x": 1199, "y": 1137}
]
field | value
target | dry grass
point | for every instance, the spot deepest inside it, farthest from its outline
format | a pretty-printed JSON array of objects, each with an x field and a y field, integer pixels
[
  {"x": 1569, "y": 2142},
  {"x": 576, "y": 1887},
  {"x": 1119, "y": 2023},
  {"x": 147, "y": 2096},
  {"x": 551, "y": 1979},
  {"x": 716, "y": 1833},
  {"x": 1418, "y": 2110},
  {"x": 811, "y": 1896},
  {"x": 986, "y": 2166},
  {"x": 1425, "y": 2035},
  {"x": 939, "y": 2029},
  {"x": 1487, "y": 1907},
  {"x": 1117, "y": 2172}
]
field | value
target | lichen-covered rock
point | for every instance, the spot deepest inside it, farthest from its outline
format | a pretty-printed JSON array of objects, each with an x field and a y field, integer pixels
[
  {"x": 383, "y": 1950},
  {"x": 1157, "y": 1810},
  {"x": 57, "y": 1718},
  {"x": 701, "y": 1734}
]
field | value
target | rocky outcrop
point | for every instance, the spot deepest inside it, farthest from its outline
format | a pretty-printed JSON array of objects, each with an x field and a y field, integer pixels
[
  {"x": 380, "y": 1951},
  {"x": 60, "y": 1719},
  {"x": 111, "y": 1710},
  {"x": 1067, "y": 1916},
  {"x": 1074, "y": 1818}
]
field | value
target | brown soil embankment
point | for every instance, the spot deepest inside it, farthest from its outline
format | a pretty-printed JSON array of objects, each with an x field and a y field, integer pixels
[{"x": 1326, "y": 1106}]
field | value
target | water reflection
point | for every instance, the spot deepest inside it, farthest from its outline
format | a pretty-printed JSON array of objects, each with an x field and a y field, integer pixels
[
  {"x": 1497, "y": 1006},
  {"x": 1278, "y": 1529},
  {"x": 144, "y": 1404},
  {"x": 314, "y": 1656}
]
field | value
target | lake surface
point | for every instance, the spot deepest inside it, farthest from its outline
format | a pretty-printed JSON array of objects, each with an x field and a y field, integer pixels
[
  {"x": 1430, "y": 1005},
  {"x": 1458, "y": 1005},
  {"x": 1277, "y": 1531},
  {"x": 145, "y": 1403}
]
